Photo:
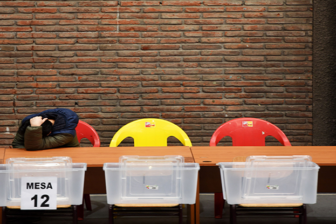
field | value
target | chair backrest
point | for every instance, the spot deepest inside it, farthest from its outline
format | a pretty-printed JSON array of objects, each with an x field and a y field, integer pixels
[
  {"x": 84, "y": 130},
  {"x": 150, "y": 132},
  {"x": 248, "y": 132}
]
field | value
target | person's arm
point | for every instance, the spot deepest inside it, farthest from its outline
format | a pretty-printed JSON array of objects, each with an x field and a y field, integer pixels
[
  {"x": 18, "y": 141},
  {"x": 33, "y": 139}
]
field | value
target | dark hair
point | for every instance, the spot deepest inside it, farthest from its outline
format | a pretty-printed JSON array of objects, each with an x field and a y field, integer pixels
[{"x": 46, "y": 128}]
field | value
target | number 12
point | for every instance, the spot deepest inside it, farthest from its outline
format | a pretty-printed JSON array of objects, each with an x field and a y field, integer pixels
[{"x": 45, "y": 196}]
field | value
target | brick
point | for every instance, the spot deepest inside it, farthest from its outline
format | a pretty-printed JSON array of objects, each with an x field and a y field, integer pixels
[
  {"x": 263, "y": 77},
  {"x": 137, "y": 54},
  {"x": 203, "y": 21},
  {"x": 178, "y": 65},
  {"x": 286, "y": 58},
  {"x": 243, "y": 34},
  {"x": 220, "y": 40},
  {"x": 298, "y": 39},
  {"x": 180, "y": 15},
  {"x": 287, "y": 108},
  {"x": 37, "y": 10},
  {"x": 7, "y": 35},
  {"x": 223, "y": 2},
  {"x": 96, "y": 16},
  {"x": 262, "y": 27},
  {"x": 36, "y": 35},
  {"x": 77, "y": 60},
  {"x": 287, "y": 8},
  {"x": 139, "y": 28},
  {"x": 283, "y": 70},
  {"x": 139, "y": 90},
  {"x": 264, "y": 2},
  {"x": 220, "y": 52},
  {"x": 288, "y": 46},
  {"x": 261, "y": 52},
  {"x": 96, "y": 65},
  {"x": 243, "y": 71},
  {"x": 160, "y": 10},
  {"x": 120, "y": 22},
  {"x": 262, "y": 40},
  {"x": 55, "y": 4},
  {"x": 242, "y": 83},
  {"x": 163, "y": 21},
  {"x": 181, "y": 102},
  {"x": 243, "y": 46},
  {"x": 298, "y": 64},
  {"x": 119, "y": 72},
  {"x": 300, "y": 14},
  {"x": 223, "y": 15},
  {"x": 56, "y": 42},
  {"x": 78, "y": 22},
  {"x": 180, "y": 40},
  {"x": 286, "y": 95},
  {"x": 201, "y": 47},
  {"x": 54, "y": 16},
  {"x": 264, "y": 89},
  {"x": 287, "y": 20},
  {"x": 264, "y": 101},
  {"x": 120, "y": 84},
  {"x": 243, "y": 58},
  {"x": 179, "y": 28},
  {"x": 161, "y": 59},
  {"x": 245, "y": 108},
  {"x": 16, "y": 16},
  {"x": 136, "y": 66},
  {"x": 162, "y": 34},
  {"x": 98, "y": 4},
  {"x": 244, "y": 95},
  {"x": 299, "y": 102},
  {"x": 96, "y": 28},
  {"x": 285, "y": 33},
  {"x": 7, "y": 23},
  {"x": 248, "y": 21},
  {"x": 182, "y": 3},
  {"x": 202, "y": 71},
  {"x": 79, "y": 72},
  {"x": 118, "y": 47},
  {"x": 205, "y": 9},
  {"x": 298, "y": 27},
  {"x": 138, "y": 78},
  {"x": 159, "y": 47},
  {"x": 55, "y": 29},
  {"x": 264, "y": 15},
  {"x": 222, "y": 89},
  {"x": 139, "y": 16},
  {"x": 124, "y": 60},
  {"x": 222, "y": 102},
  {"x": 113, "y": 34},
  {"x": 199, "y": 58}
]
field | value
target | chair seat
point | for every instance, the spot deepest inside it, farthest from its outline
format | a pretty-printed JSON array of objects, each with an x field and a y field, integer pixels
[
  {"x": 146, "y": 205},
  {"x": 58, "y": 206},
  {"x": 271, "y": 205}
]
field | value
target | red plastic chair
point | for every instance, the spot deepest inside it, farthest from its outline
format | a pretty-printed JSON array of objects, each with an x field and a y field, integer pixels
[
  {"x": 84, "y": 130},
  {"x": 245, "y": 132}
]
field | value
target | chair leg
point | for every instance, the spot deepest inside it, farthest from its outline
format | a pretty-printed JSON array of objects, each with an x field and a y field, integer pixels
[
  {"x": 111, "y": 215},
  {"x": 233, "y": 214},
  {"x": 4, "y": 217},
  {"x": 180, "y": 214},
  {"x": 80, "y": 211},
  {"x": 74, "y": 214},
  {"x": 87, "y": 201},
  {"x": 219, "y": 205}
]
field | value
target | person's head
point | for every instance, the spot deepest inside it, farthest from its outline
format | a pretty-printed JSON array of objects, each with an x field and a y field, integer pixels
[{"x": 46, "y": 128}]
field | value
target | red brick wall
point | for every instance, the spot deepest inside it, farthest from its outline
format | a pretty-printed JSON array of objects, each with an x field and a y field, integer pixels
[{"x": 195, "y": 63}]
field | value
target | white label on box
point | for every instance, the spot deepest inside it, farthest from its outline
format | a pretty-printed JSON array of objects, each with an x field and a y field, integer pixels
[
  {"x": 152, "y": 187},
  {"x": 38, "y": 193},
  {"x": 272, "y": 187}
]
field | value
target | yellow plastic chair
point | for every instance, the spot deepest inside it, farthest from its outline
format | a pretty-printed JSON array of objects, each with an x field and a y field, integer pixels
[{"x": 150, "y": 132}]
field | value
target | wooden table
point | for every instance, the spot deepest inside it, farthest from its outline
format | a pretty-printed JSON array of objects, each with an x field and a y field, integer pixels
[
  {"x": 209, "y": 176},
  {"x": 2, "y": 155},
  {"x": 96, "y": 157}
]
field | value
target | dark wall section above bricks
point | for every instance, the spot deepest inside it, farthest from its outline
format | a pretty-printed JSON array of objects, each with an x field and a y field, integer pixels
[{"x": 195, "y": 63}]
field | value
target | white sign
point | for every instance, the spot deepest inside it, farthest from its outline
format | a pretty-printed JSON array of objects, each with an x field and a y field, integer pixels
[{"x": 38, "y": 193}]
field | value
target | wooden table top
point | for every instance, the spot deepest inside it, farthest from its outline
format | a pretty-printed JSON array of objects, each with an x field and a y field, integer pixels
[
  {"x": 97, "y": 156},
  {"x": 2, "y": 154},
  {"x": 209, "y": 156}
]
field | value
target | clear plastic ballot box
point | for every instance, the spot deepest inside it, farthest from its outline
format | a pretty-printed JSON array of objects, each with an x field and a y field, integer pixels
[
  {"x": 70, "y": 178},
  {"x": 151, "y": 180},
  {"x": 270, "y": 180}
]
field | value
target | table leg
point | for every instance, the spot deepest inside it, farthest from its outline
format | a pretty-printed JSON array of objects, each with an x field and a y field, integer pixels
[
  {"x": 197, "y": 204},
  {"x": 0, "y": 215}
]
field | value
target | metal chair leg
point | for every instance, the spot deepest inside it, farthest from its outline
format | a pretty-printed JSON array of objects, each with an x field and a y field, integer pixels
[
  {"x": 74, "y": 214},
  {"x": 180, "y": 214}
]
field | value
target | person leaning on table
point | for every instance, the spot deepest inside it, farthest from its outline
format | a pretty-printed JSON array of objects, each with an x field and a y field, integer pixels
[{"x": 49, "y": 129}]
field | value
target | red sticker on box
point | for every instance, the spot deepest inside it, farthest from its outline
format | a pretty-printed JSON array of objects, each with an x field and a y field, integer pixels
[
  {"x": 247, "y": 124},
  {"x": 149, "y": 124}
]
